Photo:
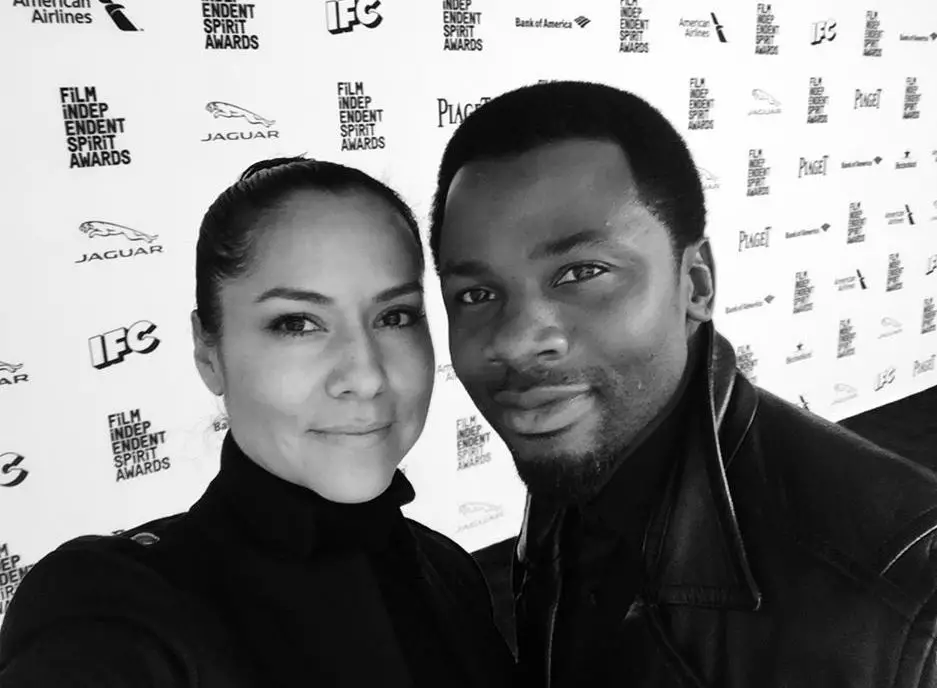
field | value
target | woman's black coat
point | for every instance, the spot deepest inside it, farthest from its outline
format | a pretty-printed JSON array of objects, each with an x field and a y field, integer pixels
[{"x": 261, "y": 583}]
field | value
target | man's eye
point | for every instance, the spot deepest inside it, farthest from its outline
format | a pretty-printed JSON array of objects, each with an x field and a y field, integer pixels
[
  {"x": 473, "y": 297},
  {"x": 581, "y": 273}
]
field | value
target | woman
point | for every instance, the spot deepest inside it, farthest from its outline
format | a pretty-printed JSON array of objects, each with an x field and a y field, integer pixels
[{"x": 296, "y": 566}]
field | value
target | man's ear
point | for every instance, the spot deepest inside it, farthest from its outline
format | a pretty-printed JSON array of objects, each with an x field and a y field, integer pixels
[
  {"x": 207, "y": 357},
  {"x": 699, "y": 281}
]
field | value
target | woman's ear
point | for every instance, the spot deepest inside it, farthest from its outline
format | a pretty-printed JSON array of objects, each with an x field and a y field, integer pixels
[
  {"x": 699, "y": 281},
  {"x": 207, "y": 357}
]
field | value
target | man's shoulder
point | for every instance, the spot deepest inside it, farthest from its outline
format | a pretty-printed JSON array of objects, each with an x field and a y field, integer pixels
[{"x": 845, "y": 495}]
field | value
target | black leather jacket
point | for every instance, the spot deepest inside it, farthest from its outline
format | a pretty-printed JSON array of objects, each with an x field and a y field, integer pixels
[{"x": 788, "y": 552}]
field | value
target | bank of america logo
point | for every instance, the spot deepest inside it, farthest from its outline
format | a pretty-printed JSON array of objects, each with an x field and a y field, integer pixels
[{"x": 582, "y": 21}]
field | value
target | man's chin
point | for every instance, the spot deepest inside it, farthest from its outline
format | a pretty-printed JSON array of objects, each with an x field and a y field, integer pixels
[{"x": 564, "y": 477}]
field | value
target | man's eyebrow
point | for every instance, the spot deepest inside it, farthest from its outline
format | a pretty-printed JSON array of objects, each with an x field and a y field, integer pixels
[
  {"x": 547, "y": 249},
  {"x": 463, "y": 268},
  {"x": 558, "y": 247}
]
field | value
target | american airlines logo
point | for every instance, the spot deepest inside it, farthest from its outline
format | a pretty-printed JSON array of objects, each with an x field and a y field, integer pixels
[
  {"x": 704, "y": 28},
  {"x": 116, "y": 12}
]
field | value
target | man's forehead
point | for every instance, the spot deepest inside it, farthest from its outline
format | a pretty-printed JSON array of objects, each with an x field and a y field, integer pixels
[{"x": 569, "y": 159}]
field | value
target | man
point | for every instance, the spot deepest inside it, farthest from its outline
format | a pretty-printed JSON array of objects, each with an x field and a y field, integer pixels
[{"x": 683, "y": 526}]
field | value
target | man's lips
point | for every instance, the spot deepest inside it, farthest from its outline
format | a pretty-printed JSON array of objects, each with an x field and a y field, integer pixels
[
  {"x": 544, "y": 410},
  {"x": 536, "y": 397}
]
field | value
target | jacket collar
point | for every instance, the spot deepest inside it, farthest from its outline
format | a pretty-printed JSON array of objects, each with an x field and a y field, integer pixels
[{"x": 694, "y": 551}]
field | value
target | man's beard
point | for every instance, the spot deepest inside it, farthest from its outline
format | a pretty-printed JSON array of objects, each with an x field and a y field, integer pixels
[{"x": 565, "y": 477}]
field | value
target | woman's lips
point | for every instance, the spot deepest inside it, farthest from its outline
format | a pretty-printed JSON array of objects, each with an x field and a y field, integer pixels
[{"x": 358, "y": 435}]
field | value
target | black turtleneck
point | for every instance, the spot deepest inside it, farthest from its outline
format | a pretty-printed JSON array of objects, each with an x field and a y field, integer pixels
[
  {"x": 602, "y": 546},
  {"x": 291, "y": 521}
]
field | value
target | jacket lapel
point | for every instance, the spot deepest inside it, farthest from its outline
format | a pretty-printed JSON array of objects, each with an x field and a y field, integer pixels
[{"x": 694, "y": 549}]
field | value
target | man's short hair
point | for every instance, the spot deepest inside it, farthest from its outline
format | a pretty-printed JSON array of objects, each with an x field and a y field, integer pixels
[{"x": 521, "y": 120}]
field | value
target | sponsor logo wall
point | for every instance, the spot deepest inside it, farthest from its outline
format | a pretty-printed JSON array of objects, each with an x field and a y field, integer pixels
[{"x": 814, "y": 131}]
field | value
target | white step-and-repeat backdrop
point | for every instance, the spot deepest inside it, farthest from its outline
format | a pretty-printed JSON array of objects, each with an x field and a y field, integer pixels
[{"x": 814, "y": 125}]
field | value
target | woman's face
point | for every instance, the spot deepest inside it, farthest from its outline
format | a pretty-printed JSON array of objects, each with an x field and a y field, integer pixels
[{"x": 325, "y": 359}]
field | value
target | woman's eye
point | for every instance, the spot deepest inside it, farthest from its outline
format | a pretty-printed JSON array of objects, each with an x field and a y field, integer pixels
[
  {"x": 295, "y": 325},
  {"x": 473, "y": 297},
  {"x": 404, "y": 317},
  {"x": 581, "y": 273}
]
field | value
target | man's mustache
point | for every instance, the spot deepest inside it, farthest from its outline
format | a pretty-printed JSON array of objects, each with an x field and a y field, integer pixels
[{"x": 515, "y": 380}]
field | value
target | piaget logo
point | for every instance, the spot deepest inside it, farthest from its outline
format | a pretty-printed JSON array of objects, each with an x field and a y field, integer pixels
[
  {"x": 867, "y": 100},
  {"x": 753, "y": 240}
]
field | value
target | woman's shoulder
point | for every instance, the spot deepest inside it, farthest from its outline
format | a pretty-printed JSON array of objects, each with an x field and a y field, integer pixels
[
  {"x": 103, "y": 594},
  {"x": 94, "y": 575},
  {"x": 449, "y": 558}
]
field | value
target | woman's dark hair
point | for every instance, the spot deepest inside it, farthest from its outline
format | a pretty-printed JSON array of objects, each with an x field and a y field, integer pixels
[
  {"x": 229, "y": 231},
  {"x": 521, "y": 120}
]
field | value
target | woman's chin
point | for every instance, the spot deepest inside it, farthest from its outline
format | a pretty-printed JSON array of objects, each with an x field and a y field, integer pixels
[{"x": 356, "y": 486}]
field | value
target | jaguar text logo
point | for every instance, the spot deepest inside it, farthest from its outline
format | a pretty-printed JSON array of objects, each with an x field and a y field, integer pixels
[
  {"x": 219, "y": 108},
  {"x": 142, "y": 243}
]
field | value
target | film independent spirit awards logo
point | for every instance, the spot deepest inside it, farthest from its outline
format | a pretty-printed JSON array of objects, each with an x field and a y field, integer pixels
[
  {"x": 77, "y": 12},
  {"x": 252, "y": 125},
  {"x": 134, "y": 243}
]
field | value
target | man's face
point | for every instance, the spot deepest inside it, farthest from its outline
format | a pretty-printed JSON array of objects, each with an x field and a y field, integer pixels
[{"x": 567, "y": 313}]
